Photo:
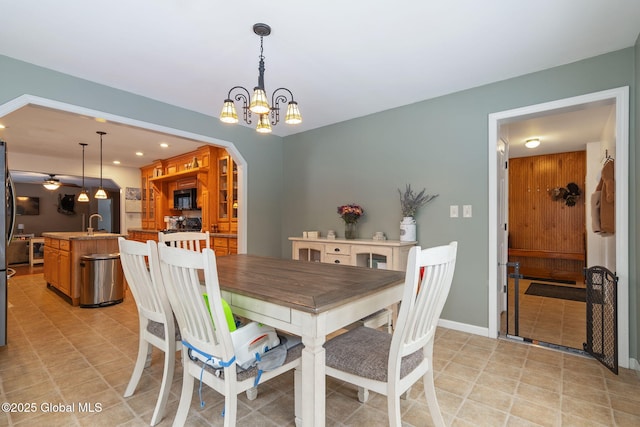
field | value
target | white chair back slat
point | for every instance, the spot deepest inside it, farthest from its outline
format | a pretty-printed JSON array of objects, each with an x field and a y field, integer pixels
[
  {"x": 180, "y": 271},
  {"x": 423, "y": 302},
  {"x": 150, "y": 299},
  {"x": 189, "y": 240}
]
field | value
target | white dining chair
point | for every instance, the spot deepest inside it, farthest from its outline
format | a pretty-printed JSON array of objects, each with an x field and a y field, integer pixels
[
  {"x": 207, "y": 333},
  {"x": 391, "y": 364},
  {"x": 186, "y": 239},
  {"x": 157, "y": 325}
]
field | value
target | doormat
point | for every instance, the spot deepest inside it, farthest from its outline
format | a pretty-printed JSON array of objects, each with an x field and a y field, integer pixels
[
  {"x": 555, "y": 291},
  {"x": 541, "y": 279}
]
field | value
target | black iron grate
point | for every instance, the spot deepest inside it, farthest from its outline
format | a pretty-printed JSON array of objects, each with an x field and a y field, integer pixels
[{"x": 602, "y": 316}]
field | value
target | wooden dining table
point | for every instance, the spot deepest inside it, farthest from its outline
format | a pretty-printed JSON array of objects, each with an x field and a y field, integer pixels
[{"x": 307, "y": 299}]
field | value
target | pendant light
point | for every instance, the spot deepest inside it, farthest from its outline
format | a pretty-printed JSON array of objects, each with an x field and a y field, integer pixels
[
  {"x": 83, "y": 196},
  {"x": 258, "y": 102},
  {"x": 101, "y": 194}
]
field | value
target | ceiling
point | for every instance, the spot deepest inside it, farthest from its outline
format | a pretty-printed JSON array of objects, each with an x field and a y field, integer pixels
[{"x": 340, "y": 59}]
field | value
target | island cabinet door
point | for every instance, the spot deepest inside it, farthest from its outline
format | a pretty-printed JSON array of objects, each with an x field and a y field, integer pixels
[
  {"x": 50, "y": 268},
  {"x": 64, "y": 279}
]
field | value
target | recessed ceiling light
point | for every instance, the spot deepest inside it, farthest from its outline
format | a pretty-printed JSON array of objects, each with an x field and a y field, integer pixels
[
  {"x": 116, "y": 162},
  {"x": 2, "y": 126},
  {"x": 139, "y": 153},
  {"x": 532, "y": 143},
  {"x": 101, "y": 120},
  {"x": 164, "y": 145}
]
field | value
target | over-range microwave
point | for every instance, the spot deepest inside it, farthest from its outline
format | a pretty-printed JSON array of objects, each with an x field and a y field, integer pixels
[{"x": 185, "y": 199}]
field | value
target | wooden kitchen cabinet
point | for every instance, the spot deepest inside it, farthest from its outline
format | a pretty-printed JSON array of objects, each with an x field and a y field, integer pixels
[
  {"x": 223, "y": 246},
  {"x": 387, "y": 254},
  {"x": 57, "y": 267},
  {"x": 227, "y": 186},
  {"x": 216, "y": 181},
  {"x": 149, "y": 191}
]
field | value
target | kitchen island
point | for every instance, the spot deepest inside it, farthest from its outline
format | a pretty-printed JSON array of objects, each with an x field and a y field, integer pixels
[{"x": 62, "y": 253}]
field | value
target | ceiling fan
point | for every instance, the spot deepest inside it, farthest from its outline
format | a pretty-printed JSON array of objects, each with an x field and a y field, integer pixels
[{"x": 53, "y": 183}]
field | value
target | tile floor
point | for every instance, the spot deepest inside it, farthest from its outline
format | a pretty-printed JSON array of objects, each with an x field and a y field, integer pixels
[
  {"x": 552, "y": 320},
  {"x": 58, "y": 354}
]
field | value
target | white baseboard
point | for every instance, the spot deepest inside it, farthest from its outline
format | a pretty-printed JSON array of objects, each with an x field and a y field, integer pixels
[
  {"x": 464, "y": 327},
  {"x": 634, "y": 364}
]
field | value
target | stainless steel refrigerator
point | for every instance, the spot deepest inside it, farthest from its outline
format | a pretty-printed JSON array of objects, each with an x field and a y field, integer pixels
[{"x": 6, "y": 231}]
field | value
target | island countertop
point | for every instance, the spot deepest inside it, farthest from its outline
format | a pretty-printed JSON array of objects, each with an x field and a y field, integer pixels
[{"x": 80, "y": 235}]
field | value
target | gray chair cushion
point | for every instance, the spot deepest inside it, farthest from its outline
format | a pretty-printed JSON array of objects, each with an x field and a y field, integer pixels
[
  {"x": 365, "y": 352},
  {"x": 157, "y": 329}
]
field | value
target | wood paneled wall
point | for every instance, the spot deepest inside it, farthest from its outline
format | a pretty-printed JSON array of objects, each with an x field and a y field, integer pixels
[{"x": 547, "y": 237}]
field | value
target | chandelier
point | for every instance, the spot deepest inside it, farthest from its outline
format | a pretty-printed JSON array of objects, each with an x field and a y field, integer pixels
[{"x": 258, "y": 103}]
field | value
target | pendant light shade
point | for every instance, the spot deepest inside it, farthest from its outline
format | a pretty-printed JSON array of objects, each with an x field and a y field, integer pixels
[
  {"x": 259, "y": 104},
  {"x": 101, "y": 194},
  {"x": 83, "y": 197},
  {"x": 264, "y": 125},
  {"x": 229, "y": 114},
  {"x": 293, "y": 116}
]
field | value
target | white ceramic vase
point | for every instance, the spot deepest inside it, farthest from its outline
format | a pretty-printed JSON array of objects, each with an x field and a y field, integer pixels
[{"x": 408, "y": 229}]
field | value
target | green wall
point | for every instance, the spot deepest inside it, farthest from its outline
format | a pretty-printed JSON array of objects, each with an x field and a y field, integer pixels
[
  {"x": 262, "y": 153},
  {"x": 440, "y": 144}
]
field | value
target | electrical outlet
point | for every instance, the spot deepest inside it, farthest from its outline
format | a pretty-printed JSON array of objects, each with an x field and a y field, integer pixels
[
  {"x": 466, "y": 211},
  {"x": 453, "y": 211}
]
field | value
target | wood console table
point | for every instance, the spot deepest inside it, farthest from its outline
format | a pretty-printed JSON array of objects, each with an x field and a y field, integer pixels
[{"x": 382, "y": 254}]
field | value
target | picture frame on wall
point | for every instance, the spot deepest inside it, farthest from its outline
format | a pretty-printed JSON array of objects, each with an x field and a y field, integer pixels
[{"x": 133, "y": 200}]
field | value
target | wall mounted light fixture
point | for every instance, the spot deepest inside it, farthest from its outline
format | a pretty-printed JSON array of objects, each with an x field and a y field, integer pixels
[
  {"x": 258, "y": 103},
  {"x": 101, "y": 194}
]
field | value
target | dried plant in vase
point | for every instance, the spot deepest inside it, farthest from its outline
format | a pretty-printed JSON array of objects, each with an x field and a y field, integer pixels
[
  {"x": 410, "y": 201},
  {"x": 409, "y": 204}
]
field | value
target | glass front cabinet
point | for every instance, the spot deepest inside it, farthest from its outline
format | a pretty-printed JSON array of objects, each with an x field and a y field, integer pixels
[{"x": 227, "y": 210}]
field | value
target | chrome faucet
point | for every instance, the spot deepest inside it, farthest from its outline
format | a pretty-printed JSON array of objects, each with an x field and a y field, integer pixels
[{"x": 89, "y": 229}]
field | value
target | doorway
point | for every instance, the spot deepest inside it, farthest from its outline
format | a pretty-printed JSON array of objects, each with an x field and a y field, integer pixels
[
  {"x": 30, "y": 100},
  {"x": 498, "y": 200}
]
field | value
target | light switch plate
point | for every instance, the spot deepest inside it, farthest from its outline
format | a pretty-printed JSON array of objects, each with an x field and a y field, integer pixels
[
  {"x": 466, "y": 211},
  {"x": 453, "y": 211}
]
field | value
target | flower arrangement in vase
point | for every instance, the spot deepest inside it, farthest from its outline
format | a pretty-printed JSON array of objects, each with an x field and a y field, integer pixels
[
  {"x": 350, "y": 214},
  {"x": 410, "y": 202}
]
